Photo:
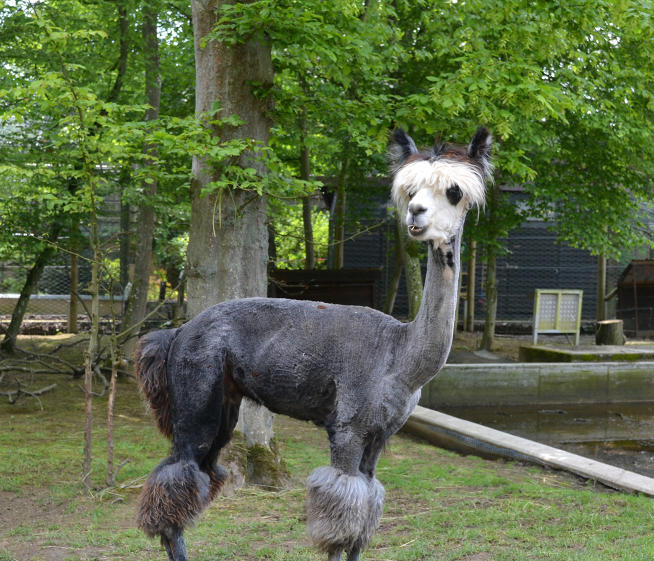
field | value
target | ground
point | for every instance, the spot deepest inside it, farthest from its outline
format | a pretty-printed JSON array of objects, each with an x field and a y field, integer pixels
[{"x": 439, "y": 505}]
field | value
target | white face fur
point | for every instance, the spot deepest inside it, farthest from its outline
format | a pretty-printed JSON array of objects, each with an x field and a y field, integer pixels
[
  {"x": 434, "y": 189},
  {"x": 435, "y": 197}
]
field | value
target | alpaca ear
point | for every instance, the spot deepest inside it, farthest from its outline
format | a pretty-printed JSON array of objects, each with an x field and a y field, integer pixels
[
  {"x": 401, "y": 147},
  {"x": 480, "y": 147}
]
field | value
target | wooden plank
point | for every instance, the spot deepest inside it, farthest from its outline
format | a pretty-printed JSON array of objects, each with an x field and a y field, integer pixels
[{"x": 442, "y": 427}]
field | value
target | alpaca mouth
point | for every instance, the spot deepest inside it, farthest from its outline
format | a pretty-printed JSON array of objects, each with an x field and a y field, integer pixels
[{"x": 415, "y": 230}]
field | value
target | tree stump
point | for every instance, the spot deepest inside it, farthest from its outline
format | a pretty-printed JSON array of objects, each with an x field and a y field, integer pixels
[{"x": 610, "y": 332}]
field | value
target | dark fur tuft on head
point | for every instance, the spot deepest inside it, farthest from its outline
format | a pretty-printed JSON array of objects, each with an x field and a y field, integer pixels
[
  {"x": 150, "y": 358},
  {"x": 479, "y": 149},
  {"x": 439, "y": 148},
  {"x": 402, "y": 146}
]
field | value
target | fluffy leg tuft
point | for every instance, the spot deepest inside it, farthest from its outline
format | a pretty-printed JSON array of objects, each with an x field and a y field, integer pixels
[
  {"x": 343, "y": 511},
  {"x": 172, "y": 497}
]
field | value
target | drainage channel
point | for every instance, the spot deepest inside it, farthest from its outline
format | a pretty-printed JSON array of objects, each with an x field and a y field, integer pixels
[{"x": 468, "y": 437}]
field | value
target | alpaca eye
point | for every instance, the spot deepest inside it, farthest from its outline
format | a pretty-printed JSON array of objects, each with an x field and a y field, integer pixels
[{"x": 454, "y": 194}]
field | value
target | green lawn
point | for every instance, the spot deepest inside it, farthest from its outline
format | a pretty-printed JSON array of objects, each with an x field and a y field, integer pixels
[{"x": 439, "y": 505}]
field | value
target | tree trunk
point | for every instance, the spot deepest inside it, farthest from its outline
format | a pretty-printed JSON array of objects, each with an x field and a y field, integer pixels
[
  {"x": 338, "y": 241},
  {"x": 124, "y": 251},
  {"x": 74, "y": 285},
  {"x": 305, "y": 175},
  {"x": 91, "y": 351},
  {"x": 228, "y": 253},
  {"x": 396, "y": 275},
  {"x": 493, "y": 206},
  {"x": 601, "y": 288},
  {"x": 8, "y": 344},
  {"x": 138, "y": 298},
  {"x": 610, "y": 332},
  {"x": 110, "y": 478},
  {"x": 471, "y": 287},
  {"x": 412, "y": 270},
  {"x": 488, "y": 338}
]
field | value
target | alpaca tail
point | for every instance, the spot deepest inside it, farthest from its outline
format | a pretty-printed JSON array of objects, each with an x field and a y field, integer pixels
[{"x": 150, "y": 358}]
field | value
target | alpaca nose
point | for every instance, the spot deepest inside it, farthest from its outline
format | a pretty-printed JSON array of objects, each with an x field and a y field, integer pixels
[{"x": 416, "y": 209}]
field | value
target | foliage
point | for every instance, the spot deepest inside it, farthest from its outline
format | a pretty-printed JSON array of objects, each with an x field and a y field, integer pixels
[
  {"x": 289, "y": 237},
  {"x": 566, "y": 90},
  {"x": 568, "y": 111}
]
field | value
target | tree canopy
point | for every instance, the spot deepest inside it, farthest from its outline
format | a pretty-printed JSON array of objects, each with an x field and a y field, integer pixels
[{"x": 565, "y": 88}]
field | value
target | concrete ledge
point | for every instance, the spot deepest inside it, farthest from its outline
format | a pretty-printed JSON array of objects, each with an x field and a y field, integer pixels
[
  {"x": 468, "y": 385},
  {"x": 451, "y": 432},
  {"x": 586, "y": 353}
]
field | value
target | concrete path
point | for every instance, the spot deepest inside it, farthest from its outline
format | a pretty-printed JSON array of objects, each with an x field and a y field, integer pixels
[{"x": 451, "y": 432}]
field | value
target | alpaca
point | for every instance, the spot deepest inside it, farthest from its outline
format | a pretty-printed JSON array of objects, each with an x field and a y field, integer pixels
[{"x": 353, "y": 370}]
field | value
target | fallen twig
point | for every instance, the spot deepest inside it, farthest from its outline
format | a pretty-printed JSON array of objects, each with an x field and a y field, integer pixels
[{"x": 14, "y": 395}]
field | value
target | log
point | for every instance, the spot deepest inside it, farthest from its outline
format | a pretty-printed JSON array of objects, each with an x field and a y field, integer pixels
[{"x": 610, "y": 332}]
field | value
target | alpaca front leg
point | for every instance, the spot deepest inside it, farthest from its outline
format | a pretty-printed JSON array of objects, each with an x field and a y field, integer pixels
[
  {"x": 343, "y": 504},
  {"x": 343, "y": 511}
]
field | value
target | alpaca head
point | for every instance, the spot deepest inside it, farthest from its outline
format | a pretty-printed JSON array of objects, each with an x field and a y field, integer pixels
[{"x": 435, "y": 188}]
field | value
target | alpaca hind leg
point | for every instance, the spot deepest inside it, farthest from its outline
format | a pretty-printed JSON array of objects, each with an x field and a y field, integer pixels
[
  {"x": 217, "y": 473},
  {"x": 175, "y": 493},
  {"x": 181, "y": 487},
  {"x": 353, "y": 554},
  {"x": 174, "y": 545}
]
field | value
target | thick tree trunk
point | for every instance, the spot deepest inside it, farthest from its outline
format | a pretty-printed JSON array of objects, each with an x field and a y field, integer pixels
[
  {"x": 138, "y": 298},
  {"x": 228, "y": 242}
]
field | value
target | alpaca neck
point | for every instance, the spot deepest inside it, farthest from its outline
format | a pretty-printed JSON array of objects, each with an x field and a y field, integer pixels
[{"x": 430, "y": 333}]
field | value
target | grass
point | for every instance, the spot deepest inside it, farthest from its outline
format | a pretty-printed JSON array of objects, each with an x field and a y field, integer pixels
[{"x": 439, "y": 505}]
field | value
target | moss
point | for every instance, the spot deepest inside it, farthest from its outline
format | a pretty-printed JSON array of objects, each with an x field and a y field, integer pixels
[
  {"x": 266, "y": 467},
  {"x": 233, "y": 458},
  {"x": 536, "y": 353},
  {"x": 254, "y": 465},
  {"x": 590, "y": 357}
]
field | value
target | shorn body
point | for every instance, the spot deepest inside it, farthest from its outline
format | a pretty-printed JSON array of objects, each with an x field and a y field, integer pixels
[{"x": 353, "y": 370}]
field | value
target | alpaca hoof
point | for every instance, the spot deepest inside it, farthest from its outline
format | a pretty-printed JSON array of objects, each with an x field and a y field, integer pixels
[
  {"x": 335, "y": 555},
  {"x": 175, "y": 546},
  {"x": 353, "y": 554}
]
